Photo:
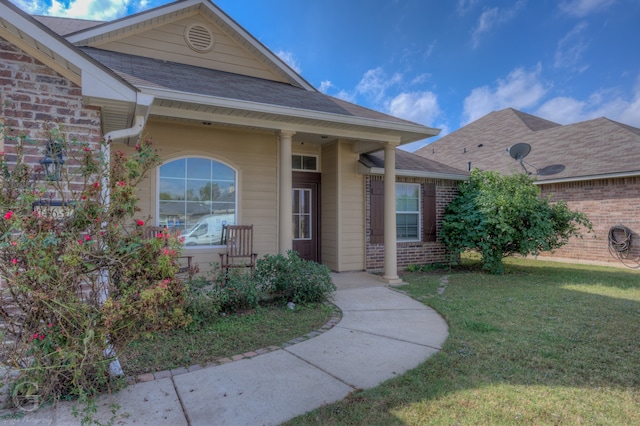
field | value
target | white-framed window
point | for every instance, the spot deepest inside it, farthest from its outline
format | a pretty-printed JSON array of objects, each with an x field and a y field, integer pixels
[
  {"x": 408, "y": 212},
  {"x": 197, "y": 196},
  {"x": 307, "y": 163}
]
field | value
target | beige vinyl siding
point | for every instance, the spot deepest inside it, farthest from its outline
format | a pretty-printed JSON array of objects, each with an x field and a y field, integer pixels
[
  {"x": 342, "y": 209},
  {"x": 352, "y": 215},
  {"x": 329, "y": 188},
  {"x": 251, "y": 154},
  {"x": 167, "y": 43}
]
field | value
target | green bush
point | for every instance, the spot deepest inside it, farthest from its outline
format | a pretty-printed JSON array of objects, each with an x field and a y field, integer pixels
[
  {"x": 292, "y": 279},
  {"x": 204, "y": 301},
  {"x": 240, "y": 291}
]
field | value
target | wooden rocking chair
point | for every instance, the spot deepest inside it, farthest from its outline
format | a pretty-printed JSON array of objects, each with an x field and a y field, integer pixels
[{"x": 238, "y": 240}]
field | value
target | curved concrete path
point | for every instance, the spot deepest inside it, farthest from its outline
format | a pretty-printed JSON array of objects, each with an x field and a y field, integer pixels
[{"x": 382, "y": 334}]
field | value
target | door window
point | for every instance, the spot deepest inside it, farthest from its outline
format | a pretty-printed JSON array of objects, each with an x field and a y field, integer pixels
[{"x": 302, "y": 214}]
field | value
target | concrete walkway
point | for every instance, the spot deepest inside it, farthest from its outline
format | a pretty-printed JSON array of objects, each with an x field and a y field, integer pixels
[{"x": 382, "y": 334}]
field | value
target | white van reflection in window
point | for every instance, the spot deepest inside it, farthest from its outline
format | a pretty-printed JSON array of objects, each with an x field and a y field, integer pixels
[{"x": 208, "y": 230}]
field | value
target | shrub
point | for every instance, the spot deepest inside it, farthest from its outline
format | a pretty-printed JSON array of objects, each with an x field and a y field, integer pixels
[
  {"x": 204, "y": 300},
  {"x": 79, "y": 272},
  {"x": 292, "y": 279}
]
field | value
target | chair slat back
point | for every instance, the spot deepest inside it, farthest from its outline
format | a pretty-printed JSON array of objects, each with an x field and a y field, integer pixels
[{"x": 239, "y": 240}]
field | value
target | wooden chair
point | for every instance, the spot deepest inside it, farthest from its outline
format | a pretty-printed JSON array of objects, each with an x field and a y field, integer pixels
[
  {"x": 238, "y": 242},
  {"x": 151, "y": 232}
]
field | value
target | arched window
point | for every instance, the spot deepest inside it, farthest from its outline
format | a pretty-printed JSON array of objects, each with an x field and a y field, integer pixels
[{"x": 197, "y": 196}]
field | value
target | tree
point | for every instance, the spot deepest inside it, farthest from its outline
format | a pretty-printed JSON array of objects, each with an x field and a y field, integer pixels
[
  {"x": 504, "y": 215},
  {"x": 78, "y": 270}
]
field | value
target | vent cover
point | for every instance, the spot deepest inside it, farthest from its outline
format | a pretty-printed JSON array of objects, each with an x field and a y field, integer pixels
[{"x": 199, "y": 38}]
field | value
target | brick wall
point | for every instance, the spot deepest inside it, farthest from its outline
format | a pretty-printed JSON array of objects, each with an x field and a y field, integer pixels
[
  {"x": 32, "y": 94},
  {"x": 607, "y": 202},
  {"x": 417, "y": 253}
]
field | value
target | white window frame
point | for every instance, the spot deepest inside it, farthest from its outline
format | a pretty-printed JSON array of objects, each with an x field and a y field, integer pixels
[
  {"x": 316, "y": 170},
  {"x": 236, "y": 184},
  {"x": 410, "y": 212}
]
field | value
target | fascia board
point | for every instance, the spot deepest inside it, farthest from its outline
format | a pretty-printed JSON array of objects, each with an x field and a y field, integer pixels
[
  {"x": 635, "y": 173},
  {"x": 418, "y": 174},
  {"x": 171, "y": 95}
]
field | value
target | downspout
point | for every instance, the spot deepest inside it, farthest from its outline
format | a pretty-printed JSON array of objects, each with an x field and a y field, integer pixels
[{"x": 115, "y": 369}]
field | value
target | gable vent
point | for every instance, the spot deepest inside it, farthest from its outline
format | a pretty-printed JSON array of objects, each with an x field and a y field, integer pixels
[{"x": 199, "y": 38}]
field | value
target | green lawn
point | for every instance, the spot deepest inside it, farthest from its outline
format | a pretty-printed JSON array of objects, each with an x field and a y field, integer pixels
[
  {"x": 223, "y": 337},
  {"x": 544, "y": 343}
]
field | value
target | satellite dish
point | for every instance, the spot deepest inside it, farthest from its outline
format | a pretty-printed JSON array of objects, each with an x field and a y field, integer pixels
[
  {"x": 519, "y": 151},
  {"x": 553, "y": 169}
]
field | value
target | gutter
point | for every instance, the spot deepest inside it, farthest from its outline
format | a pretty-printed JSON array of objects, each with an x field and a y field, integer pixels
[
  {"x": 588, "y": 177},
  {"x": 414, "y": 173}
]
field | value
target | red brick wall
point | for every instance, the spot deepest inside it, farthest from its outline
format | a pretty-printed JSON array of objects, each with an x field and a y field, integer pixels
[
  {"x": 32, "y": 93},
  {"x": 417, "y": 253},
  {"x": 607, "y": 202}
]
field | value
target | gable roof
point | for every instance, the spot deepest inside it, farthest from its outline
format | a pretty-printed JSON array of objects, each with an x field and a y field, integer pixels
[
  {"x": 171, "y": 13},
  {"x": 141, "y": 49},
  {"x": 599, "y": 148},
  {"x": 408, "y": 164}
]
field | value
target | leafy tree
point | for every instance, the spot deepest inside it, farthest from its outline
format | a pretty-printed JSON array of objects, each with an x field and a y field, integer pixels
[
  {"x": 78, "y": 270},
  {"x": 504, "y": 215}
]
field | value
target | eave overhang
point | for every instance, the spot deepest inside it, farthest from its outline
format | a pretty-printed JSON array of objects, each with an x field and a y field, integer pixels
[{"x": 370, "y": 132}]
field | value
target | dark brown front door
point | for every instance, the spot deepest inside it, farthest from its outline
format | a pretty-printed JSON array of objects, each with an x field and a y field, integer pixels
[{"x": 305, "y": 217}]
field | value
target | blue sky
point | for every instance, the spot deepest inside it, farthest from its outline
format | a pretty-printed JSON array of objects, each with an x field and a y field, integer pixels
[{"x": 442, "y": 63}]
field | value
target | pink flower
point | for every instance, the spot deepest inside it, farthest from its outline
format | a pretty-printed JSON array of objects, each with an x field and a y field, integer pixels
[
  {"x": 14, "y": 261},
  {"x": 140, "y": 222},
  {"x": 84, "y": 197},
  {"x": 96, "y": 185},
  {"x": 8, "y": 215},
  {"x": 86, "y": 149},
  {"x": 41, "y": 337},
  {"x": 121, "y": 183},
  {"x": 49, "y": 325},
  {"x": 14, "y": 243},
  {"x": 2, "y": 153},
  {"x": 87, "y": 237}
]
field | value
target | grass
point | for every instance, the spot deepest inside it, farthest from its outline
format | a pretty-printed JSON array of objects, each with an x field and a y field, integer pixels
[
  {"x": 223, "y": 337},
  {"x": 544, "y": 343}
]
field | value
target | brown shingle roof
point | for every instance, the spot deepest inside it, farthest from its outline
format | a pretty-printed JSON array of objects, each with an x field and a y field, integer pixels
[
  {"x": 587, "y": 149},
  {"x": 65, "y": 26},
  {"x": 410, "y": 162},
  {"x": 148, "y": 72}
]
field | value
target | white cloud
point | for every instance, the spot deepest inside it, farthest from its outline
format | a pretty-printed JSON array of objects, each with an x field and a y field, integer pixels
[
  {"x": 582, "y": 8},
  {"x": 571, "y": 49},
  {"x": 99, "y": 10},
  {"x": 602, "y": 103},
  {"x": 521, "y": 89},
  {"x": 290, "y": 59},
  {"x": 325, "y": 86},
  {"x": 491, "y": 18},
  {"x": 419, "y": 107},
  {"x": 375, "y": 82}
]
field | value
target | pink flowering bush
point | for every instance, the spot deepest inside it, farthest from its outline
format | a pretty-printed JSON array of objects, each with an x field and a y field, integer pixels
[{"x": 78, "y": 273}]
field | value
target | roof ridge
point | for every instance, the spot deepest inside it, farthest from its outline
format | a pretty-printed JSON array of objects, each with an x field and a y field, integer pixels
[{"x": 534, "y": 122}]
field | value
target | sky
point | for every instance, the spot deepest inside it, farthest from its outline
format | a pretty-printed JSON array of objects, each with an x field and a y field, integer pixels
[{"x": 441, "y": 63}]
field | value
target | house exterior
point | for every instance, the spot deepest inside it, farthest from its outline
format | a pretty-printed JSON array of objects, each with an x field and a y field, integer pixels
[
  {"x": 243, "y": 138},
  {"x": 594, "y": 166}
]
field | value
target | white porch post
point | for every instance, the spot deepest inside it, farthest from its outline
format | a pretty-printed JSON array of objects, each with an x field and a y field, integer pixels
[
  {"x": 285, "y": 229},
  {"x": 390, "y": 247}
]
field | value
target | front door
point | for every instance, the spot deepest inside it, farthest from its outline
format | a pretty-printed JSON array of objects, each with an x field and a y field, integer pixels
[{"x": 306, "y": 223}]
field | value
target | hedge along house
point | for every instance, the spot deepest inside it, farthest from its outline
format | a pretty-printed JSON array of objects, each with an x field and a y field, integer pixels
[
  {"x": 243, "y": 138},
  {"x": 594, "y": 166}
]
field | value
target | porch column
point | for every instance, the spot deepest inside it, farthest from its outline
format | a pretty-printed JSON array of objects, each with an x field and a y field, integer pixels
[
  {"x": 285, "y": 228},
  {"x": 390, "y": 242}
]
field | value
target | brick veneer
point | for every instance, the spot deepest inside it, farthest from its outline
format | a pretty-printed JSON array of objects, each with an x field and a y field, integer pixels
[
  {"x": 32, "y": 94},
  {"x": 417, "y": 253},
  {"x": 607, "y": 202}
]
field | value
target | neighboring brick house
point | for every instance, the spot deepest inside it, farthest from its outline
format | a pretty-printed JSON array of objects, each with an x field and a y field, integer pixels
[
  {"x": 593, "y": 165},
  {"x": 243, "y": 138}
]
